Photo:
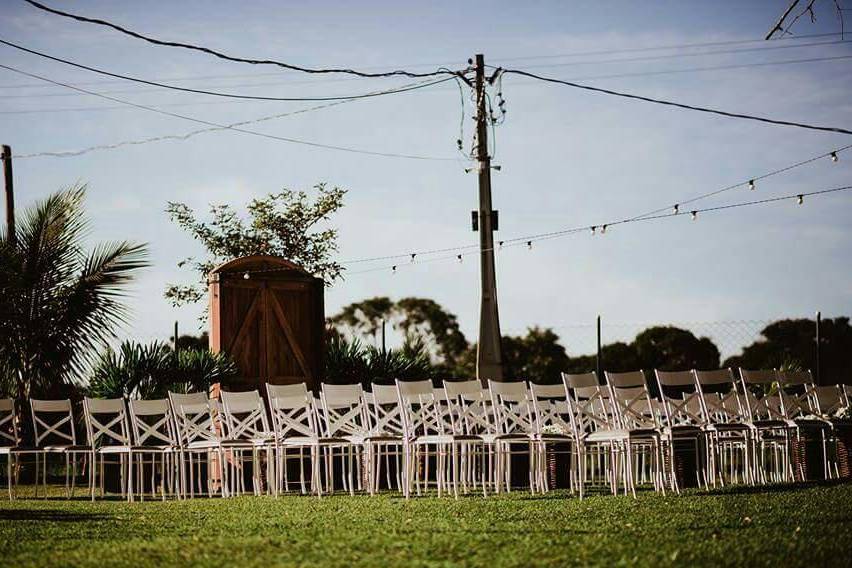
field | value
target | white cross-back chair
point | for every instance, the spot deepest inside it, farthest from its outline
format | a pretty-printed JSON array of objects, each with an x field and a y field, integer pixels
[
  {"x": 9, "y": 439},
  {"x": 345, "y": 416},
  {"x": 386, "y": 432},
  {"x": 295, "y": 422},
  {"x": 512, "y": 406},
  {"x": 637, "y": 414},
  {"x": 424, "y": 435},
  {"x": 109, "y": 435},
  {"x": 596, "y": 433},
  {"x": 246, "y": 431},
  {"x": 796, "y": 389},
  {"x": 682, "y": 419},
  {"x": 154, "y": 437},
  {"x": 552, "y": 426},
  {"x": 730, "y": 436},
  {"x": 468, "y": 417},
  {"x": 54, "y": 433},
  {"x": 198, "y": 440},
  {"x": 774, "y": 433}
]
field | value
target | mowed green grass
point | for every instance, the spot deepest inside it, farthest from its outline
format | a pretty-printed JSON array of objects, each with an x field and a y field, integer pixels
[{"x": 790, "y": 526}]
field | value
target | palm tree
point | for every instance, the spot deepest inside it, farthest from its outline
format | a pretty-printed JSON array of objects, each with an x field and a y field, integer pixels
[{"x": 60, "y": 303}]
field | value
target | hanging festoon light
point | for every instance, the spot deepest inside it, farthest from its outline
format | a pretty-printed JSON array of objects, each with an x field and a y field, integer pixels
[
  {"x": 603, "y": 229},
  {"x": 413, "y": 255},
  {"x": 529, "y": 245},
  {"x": 458, "y": 256},
  {"x": 801, "y": 199},
  {"x": 393, "y": 269},
  {"x": 675, "y": 209},
  {"x": 694, "y": 215},
  {"x": 500, "y": 245},
  {"x": 246, "y": 276},
  {"x": 834, "y": 157},
  {"x": 593, "y": 227},
  {"x": 751, "y": 184}
]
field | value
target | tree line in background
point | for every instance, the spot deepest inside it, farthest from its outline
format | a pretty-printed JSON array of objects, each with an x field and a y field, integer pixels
[{"x": 435, "y": 347}]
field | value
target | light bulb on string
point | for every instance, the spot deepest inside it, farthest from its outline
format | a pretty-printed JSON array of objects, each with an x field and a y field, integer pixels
[
  {"x": 593, "y": 227},
  {"x": 801, "y": 199},
  {"x": 414, "y": 254},
  {"x": 694, "y": 215},
  {"x": 529, "y": 245},
  {"x": 393, "y": 269},
  {"x": 834, "y": 157},
  {"x": 246, "y": 276},
  {"x": 751, "y": 184},
  {"x": 500, "y": 245},
  {"x": 675, "y": 209},
  {"x": 459, "y": 257},
  {"x": 603, "y": 229}
]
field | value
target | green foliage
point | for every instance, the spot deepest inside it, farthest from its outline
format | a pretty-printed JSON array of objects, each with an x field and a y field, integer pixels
[
  {"x": 792, "y": 343},
  {"x": 60, "y": 303},
  {"x": 421, "y": 318},
  {"x": 151, "y": 371},
  {"x": 671, "y": 348},
  {"x": 194, "y": 341},
  {"x": 350, "y": 362},
  {"x": 537, "y": 356},
  {"x": 281, "y": 224}
]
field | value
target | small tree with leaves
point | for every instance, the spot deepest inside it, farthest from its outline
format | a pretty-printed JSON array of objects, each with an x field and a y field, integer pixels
[{"x": 288, "y": 224}]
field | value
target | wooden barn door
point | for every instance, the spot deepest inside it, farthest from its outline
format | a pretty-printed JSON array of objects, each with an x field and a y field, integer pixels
[{"x": 273, "y": 336}]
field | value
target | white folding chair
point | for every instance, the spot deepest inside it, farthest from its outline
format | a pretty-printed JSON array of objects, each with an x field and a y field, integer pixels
[
  {"x": 468, "y": 418},
  {"x": 9, "y": 439},
  {"x": 109, "y": 434},
  {"x": 54, "y": 433},
  {"x": 512, "y": 405},
  {"x": 154, "y": 436},
  {"x": 775, "y": 434},
  {"x": 197, "y": 436},
  {"x": 552, "y": 427},
  {"x": 246, "y": 430},
  {"x": 796, "y": 391},
  {"x": 682, "y": 420},
  {"x": 596, "y": 432},
  {"x": 729, "y": 434},
  {"x": 637, "y": 414}
]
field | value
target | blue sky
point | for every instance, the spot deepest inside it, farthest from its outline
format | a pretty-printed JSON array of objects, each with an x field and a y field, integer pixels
[{"x": 568, "y": 157}]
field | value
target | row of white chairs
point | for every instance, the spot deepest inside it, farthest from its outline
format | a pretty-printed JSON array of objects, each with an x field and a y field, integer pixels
[{"x": 743, "y": 427}]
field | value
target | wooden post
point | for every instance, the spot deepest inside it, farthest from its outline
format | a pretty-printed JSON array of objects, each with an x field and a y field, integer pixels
[{"x": 10, "y": 194}]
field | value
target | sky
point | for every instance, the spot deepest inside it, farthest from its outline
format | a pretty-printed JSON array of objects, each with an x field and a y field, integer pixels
[{"x": 568, "y": 157}]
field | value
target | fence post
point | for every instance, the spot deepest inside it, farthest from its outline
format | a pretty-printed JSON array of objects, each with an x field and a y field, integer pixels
[
  {"x": 818, "y": 346},
  {"x": 598, "y": 358}
]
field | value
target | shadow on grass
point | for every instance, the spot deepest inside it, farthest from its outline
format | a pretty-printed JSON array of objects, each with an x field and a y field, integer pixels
[
  {"x": 51, "y": 515},
  {"x": 774, "y": 488}
]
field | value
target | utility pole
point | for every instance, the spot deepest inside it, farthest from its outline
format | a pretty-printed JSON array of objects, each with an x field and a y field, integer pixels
[
  {"x": 10, "y": 194},
  {"x": 489, "y": 355}
]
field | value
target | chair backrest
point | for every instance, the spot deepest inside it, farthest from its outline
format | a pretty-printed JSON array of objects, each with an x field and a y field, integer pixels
[
  {"x": 550, "y": 409},
  {"x": 469, "y": 407},
  {"x": 53, "y": 422},
  {"x": 632, "y": 401},
  {"x": 384, "y": 411},
  {"x": 721, "y": 401},
  {"x": 8, "y": 423},
  {"x": 589, "y": 402},
  {"x": 106, "y": 422},
  {"x": 420, "y": 409},
  {"x": 193, "y": 416},
  {"x": 681, "y": 398},
  {"x": 293, "y": 411},
  {"x": 344, "y": 410},
  {"x": 796, "y": 390},
  {"x": 152, "y": 422},
  {"x": 828, "y": 400},
  {"x": 762, "y": 397},
  {"x": 512, "y": 405},
  {"x": 244, "y": 415}
]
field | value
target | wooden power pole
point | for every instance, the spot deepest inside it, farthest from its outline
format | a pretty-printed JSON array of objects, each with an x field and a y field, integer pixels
[
  {"x": 489, "y": 355},
  {"x": 10, "y": 194}
]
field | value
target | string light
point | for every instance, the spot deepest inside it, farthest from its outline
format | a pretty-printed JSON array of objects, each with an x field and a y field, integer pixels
[
  {"x": 834, "y": 157},
  {"x": 393, "y": 269},
  {"x": 675, "y": 209},
  {"x": 603, "y": 229},
  {"x": 459, "y": 257},
  {"x": 529, "y": 245},
  {"x": 801, "y": 199},
  {"x": 593, "y": 227},
  {"x": 500, "y": 245},
  {"x": 246, "y": 276},
  {"x": 694, "y": 215},
  {"x": 414, "y": 254},
  {"x": 751, "y": 184}
]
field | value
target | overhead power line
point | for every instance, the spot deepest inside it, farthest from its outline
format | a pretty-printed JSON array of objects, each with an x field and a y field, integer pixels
[
  {"x": 227, "y": 57},
  {"x": 216, "y": 93},
  {"x": 224, "y": 126},
  {"x": 676, "y": 104}
]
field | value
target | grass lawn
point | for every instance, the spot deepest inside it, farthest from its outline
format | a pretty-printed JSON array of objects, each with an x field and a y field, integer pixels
[{"x": 790, "y": 526}]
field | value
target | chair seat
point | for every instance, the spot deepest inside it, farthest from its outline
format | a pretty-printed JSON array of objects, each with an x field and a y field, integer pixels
[
  {"x": 250, "y": 443},
  {"x": 113, "y": 450},
  {"x": 203, "y": 445},
  {"x": 295, "y": 441},
  {"x": 685, "y": 431},
  {"x": 513, "y": 437},
  {"x": 607, "y": 436},
  {"x": 553, "y": 437},
  {"x": 727, "y": 427},
  {"x": 773, "y": 424},
  {"x": 6, "y": 450},
  {"x": 383, "y": 439},
  {"x": 154, "y": 449},
  {"x": 61, "y": 449}
]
